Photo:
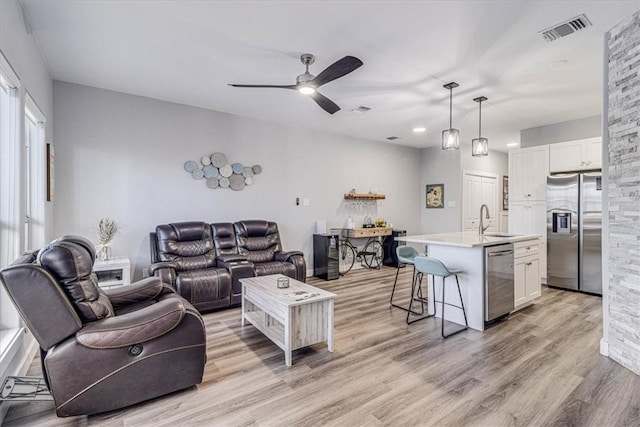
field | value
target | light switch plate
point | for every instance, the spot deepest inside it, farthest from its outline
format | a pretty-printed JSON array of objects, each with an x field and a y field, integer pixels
[{"x": 451, "y": 204}]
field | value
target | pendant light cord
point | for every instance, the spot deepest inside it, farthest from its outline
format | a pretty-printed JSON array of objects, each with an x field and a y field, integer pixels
[
  {"x": 450, "y": 107},
  {"x": 480, "y": 121}
]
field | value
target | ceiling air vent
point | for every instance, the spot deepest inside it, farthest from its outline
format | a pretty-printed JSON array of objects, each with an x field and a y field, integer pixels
[
  {"x": 392, "y": 138},
  {"x": 361, "y": 109},
  {"x": 565, "y": 28}
]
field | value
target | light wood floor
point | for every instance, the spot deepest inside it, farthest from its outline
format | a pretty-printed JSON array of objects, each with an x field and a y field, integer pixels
[{"x": 540, "y": 367}]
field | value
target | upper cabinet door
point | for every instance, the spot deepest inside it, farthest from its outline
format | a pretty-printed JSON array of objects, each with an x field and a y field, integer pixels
[
  {"x": 566, "y": 157},
  {"x": 528, "y": 170},
  {"x": 593, "y": 154},
  {"x": 585, "y": 154}
]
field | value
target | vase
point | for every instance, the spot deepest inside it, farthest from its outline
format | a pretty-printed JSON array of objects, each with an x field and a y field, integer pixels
[{"x": 105, "y": 253}]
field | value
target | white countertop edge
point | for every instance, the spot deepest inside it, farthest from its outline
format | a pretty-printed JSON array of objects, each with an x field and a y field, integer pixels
[{"x": 465, "y": 239}]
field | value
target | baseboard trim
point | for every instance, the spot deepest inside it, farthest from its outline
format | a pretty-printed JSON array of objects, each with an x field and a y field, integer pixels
[{"x": 604, "y": 347}]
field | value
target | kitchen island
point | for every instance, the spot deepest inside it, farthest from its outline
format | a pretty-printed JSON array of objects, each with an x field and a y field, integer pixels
[{"x": 466, "y": 251}]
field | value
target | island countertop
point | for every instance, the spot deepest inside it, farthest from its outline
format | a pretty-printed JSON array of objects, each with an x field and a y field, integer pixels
[{"x": 467, "y": 239}]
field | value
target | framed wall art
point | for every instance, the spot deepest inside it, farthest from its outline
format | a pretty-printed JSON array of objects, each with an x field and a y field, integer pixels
[
  {"x": 51, "y": 159},
  {"x": 435, "y": 196},
  {"x": 505, "y": 193}
]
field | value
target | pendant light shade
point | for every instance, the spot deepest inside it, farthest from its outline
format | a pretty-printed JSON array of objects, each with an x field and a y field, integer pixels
[
  {"x": 480, "y": 145},
  {"x": 451, "y": 136}
]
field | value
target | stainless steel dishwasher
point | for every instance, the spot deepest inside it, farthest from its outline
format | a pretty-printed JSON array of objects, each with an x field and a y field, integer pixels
[{"x": 498, "y": 278}]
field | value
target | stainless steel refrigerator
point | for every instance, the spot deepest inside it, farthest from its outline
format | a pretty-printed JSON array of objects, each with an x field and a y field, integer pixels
[{"x": 574, "y": 231}]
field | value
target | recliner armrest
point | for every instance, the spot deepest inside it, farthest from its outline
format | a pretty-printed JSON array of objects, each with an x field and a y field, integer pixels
[
  {"x": 285, "y": 256},
  {"x": 162, "y": 264},
  {"x": 133, "y": 328},
  {"x": 231, "y": 258},
  {"x": 141, "y": 290},
  {"x": 166, "y": 271}
]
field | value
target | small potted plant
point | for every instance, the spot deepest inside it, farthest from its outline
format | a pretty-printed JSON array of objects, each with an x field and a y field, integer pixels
[{"x": 107, "y": 230}]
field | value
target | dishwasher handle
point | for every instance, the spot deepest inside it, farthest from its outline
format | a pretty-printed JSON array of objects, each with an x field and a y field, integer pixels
[{"x": 500, "y": 253}]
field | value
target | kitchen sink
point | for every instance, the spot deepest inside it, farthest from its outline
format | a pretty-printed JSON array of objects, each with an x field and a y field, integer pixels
[{"x": 500, "y": 235}]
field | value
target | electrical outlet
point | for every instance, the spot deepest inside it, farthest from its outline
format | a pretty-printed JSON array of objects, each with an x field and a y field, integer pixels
[{"x": 306, "y": 202}]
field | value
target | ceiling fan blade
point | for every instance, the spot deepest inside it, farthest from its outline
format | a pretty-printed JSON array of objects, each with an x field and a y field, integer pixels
[
  {"x": 272, "y": 86},
  {"x": 336, "y": 70},
  {"x": 327, "y": 105}
]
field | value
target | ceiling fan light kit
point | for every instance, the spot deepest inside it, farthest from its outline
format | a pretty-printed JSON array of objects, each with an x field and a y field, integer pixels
[
  {"x": 480, "y": 145},
  {"x": 308, "y": 84},
  {"x": 451, "y": 136}
]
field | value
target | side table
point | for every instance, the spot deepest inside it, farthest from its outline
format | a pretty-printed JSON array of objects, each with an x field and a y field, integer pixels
[{"x": 113, "y": 272}]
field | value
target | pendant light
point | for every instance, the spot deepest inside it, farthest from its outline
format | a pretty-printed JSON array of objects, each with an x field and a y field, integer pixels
[
  {"x": 480, "y": 145},
  {"x": 451, "y": 136}
]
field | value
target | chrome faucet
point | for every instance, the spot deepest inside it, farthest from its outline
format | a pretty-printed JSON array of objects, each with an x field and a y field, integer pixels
[{"x": 482, "y": 228}]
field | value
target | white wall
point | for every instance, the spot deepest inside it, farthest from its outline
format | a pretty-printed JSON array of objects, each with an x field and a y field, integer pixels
[
  {"x": 122, "y": 156},
  {"x": 446, "y": 167},
  {"x": 587, "y": 127},
  {"x": 441, "y": 167}
]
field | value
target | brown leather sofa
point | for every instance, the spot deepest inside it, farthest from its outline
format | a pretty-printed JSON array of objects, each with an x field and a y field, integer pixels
[
  {"x": 103, "y": 349},
  {"x": 205, "y": 262}
]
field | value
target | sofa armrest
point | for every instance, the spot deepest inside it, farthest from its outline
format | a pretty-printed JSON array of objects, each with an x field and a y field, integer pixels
[
  {"x": 165, "y": 270},
  {"x": 142, "y": 290},
  {"x": 231, "y": 258},
  {"x": 285, "y": 256},
  {"x": 136, "y": 327}
]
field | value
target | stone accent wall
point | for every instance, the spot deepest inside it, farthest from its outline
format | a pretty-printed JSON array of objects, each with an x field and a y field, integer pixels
[{"x": 624, "y": 193}]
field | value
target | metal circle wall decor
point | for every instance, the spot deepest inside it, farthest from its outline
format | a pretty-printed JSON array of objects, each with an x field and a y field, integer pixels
[
  {"x": 237, "y": 168},
  {"x": 190, "y": 166},
  {"x": 210, "y": 171},
  {"x": 197, "y": 174},
  {"x": 218, "y": 159},
  {"x": 226, "y": 170},
  {"x": 217, "y": 172}
]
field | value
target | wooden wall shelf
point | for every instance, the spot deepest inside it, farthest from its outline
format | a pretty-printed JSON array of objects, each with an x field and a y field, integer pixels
[{"x": 364, "y": 196}]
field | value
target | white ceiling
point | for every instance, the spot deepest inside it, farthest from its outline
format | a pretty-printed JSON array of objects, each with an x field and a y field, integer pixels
[{"x": 187, "y": 52}]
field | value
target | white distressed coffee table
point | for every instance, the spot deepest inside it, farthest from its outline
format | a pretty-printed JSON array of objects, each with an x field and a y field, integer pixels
[{"x": 291, "y": 324}]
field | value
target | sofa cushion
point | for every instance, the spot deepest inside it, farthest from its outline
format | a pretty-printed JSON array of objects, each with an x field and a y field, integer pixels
[
  {"x": 224, "y": 238},
  {"x": 72, "y": 264},
  {"x": 258, "y": 240},
  {"x": 210, "y": 284},
  {"x": 189, "y": 245}
]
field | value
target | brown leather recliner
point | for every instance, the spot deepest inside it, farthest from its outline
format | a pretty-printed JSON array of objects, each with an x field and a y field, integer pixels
[
  {"x": 259, "y": 241},
  {"x": 103, "y": 349},
  {"x": 183, "y": 255}
]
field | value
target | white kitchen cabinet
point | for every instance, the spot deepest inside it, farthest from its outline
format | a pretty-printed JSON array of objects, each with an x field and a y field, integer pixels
[
  {"x": 531, "y": 218},
  {"x": 584, "y": 154},
  {"x": 526, "y": 267},
  {"x": 528, "y": 170}
]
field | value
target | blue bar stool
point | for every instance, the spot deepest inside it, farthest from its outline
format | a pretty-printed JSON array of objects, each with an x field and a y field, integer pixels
[
  {"x": 406, "y": 255},
  {"x": 434, "y": 267}
]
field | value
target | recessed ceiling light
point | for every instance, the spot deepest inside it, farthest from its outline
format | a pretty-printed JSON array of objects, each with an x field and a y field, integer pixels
[
  {"x": 419, "y": 129},
  {"x": 513, "y": 144}
]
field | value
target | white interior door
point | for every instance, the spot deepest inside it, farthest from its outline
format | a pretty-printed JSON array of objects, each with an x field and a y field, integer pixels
[
  {"x": 479, "y": 189},
  {"x": 472, "y": 201}
]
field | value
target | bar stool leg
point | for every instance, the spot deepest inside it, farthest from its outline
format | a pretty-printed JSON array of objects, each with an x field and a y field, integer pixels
[
  {"x": 416, "y": 289},
  {"x": 464, "y": 312}
]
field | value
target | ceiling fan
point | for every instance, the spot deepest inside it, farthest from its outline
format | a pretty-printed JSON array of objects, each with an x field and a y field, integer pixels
[{"x": 308, "y": 84}]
